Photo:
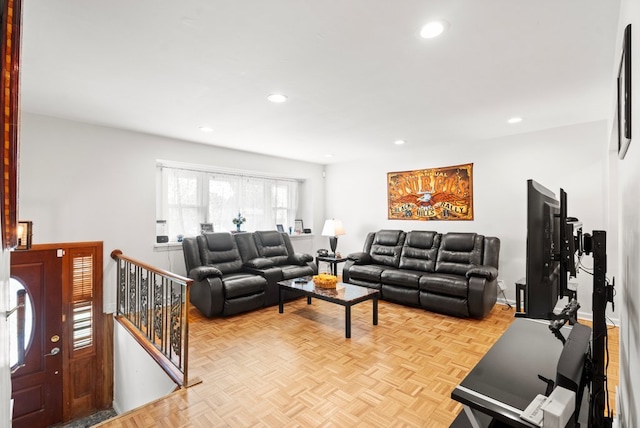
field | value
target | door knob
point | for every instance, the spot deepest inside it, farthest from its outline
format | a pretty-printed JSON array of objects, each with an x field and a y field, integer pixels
[{"x": 54, "y": 351}]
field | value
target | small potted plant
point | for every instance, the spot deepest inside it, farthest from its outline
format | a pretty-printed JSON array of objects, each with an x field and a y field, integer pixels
[{"x": 238, "y": 221}]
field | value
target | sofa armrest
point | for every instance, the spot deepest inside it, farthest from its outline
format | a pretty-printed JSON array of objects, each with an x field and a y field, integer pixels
[
  {"x": 488, "y": 272},
  {"x": 360, "y": 258},
  {"x": 259, "y": 263},
  {"x": 202, "y": 272},
  {"x": 300, "y": 258},
  {"x": 482, "y": 296}
]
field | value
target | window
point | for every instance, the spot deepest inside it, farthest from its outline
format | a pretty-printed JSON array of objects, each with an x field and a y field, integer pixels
[
  {"x": 82, "y": 271},
  {"x": 189, "y": 196}
]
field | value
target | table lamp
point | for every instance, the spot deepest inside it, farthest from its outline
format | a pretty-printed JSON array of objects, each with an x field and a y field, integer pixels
[{"x": 333, "y": 228}]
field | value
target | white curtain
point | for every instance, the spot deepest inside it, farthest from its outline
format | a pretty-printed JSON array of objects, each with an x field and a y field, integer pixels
[{"x": 191, "y": 197}]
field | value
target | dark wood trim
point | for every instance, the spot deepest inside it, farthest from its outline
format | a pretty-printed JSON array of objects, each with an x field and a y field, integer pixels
[
  {"x": 94, "y": 365},
  {"x": 10, "y": 122}
]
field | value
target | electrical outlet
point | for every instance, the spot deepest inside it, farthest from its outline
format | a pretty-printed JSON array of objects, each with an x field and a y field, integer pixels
[{"x": 501, "y": 285}]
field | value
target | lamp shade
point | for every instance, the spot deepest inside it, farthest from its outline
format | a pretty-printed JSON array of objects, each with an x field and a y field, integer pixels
[{"x": 333, "y": 227}]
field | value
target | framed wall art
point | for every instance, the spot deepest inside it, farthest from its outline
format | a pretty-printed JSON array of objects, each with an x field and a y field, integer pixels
[
  {"x": 443, "y": 193},
  {"x": 624, "y": 95}
]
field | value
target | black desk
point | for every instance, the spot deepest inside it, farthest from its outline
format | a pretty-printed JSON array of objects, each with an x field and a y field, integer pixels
[
  {"x": 505, "y": 380},
  {"x": 333, "y": 262}
]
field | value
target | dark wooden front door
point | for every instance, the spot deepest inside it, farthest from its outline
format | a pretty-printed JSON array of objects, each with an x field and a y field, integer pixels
[{"x": 37, "y": 386}]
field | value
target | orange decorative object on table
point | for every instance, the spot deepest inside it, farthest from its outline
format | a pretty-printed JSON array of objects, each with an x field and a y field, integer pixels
[{"x": 324, "y": 280}]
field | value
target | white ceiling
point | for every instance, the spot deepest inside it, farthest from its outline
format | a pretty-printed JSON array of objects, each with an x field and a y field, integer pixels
[{"x": 356, "y": 72}]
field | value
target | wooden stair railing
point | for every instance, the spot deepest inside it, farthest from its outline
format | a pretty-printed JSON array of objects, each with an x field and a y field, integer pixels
[{"x": 153, "y": 305}]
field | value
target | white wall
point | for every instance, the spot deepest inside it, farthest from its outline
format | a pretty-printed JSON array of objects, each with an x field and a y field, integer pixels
[
  {"x": 138, "y": 380},
  {"x": 627, "y": 175},
  {"x": 80, "y": 182},
  {"x": 570, "y": 157}
]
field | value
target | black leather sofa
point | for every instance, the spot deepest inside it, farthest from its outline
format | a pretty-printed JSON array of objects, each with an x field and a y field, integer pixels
[
  {"x": 451, "y": 273},
  {"x": 239, "y": 273}
]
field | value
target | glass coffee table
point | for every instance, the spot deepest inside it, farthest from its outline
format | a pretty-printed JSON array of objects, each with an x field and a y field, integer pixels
[{"x": 345, "y": 295}]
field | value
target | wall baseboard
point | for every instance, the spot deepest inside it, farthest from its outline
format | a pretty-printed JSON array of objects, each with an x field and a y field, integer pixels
[{"x": 582, "y": 315}]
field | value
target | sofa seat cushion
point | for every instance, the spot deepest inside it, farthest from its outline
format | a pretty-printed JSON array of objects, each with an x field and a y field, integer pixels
[
  {"x": 445, "y": 284},
  {"x": 243, "y": 304},
  {"x": 295, "y": 271},
  {"x": 444, "y": 304},
  {"x": 242, "y": 284},
  {"x": 403, "y": 277},
  {"x": 371, "y": 273},
  {"x": 398, "y": 294}
]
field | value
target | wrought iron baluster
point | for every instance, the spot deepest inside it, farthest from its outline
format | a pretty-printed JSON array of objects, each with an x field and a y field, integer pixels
[{"x": 155, "y": 302}]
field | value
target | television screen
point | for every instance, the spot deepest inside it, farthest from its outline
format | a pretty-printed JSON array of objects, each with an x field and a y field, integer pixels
[{"x": 543, "y": 249}]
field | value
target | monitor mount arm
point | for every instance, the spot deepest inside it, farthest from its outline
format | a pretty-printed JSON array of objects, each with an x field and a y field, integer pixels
[{"x": 568, "y": 315}]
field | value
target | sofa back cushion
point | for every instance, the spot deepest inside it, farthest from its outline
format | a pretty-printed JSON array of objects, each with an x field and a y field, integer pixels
[
  {"x": 459, "y": 252},
  {"x": 420, "y": 250},
  {"x": 219, "y": 250},
  {"x": 247, "y": 246},
  {"x": 386, "y": 247},
  {"x": 271, "y": 245}
]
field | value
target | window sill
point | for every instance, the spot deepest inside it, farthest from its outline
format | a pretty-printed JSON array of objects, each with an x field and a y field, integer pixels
[
  {"x": 301, "y": 235},
  {"x": 177, "y": 246},
  {"x": 168, "y": 246}
]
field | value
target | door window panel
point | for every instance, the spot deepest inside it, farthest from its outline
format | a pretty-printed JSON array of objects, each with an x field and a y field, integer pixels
[{"x": 14, "y": 286}]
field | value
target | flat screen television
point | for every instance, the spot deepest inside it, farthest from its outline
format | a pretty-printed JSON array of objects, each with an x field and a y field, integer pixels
[{"x": 552, "y": 242}]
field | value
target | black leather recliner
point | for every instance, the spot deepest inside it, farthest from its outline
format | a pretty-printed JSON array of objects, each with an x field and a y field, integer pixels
[
  {"x": 221, "y": 286},
  {"x": 452, "y": 273},
  {"x": 272, "y": 256},
  {"x": 239, "y": 273}
]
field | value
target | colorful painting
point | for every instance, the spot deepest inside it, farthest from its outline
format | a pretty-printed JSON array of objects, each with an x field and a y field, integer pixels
[{"x": 444, "y": 193}]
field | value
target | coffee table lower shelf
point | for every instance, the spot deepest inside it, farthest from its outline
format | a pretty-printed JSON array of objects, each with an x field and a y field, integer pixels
[{"x": 345, "y": 295}]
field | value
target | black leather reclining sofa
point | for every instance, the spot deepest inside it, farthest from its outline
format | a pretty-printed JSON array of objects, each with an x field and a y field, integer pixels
[
  {"x": 451, "y": 273},
  {"x": 239, "y": 273}
]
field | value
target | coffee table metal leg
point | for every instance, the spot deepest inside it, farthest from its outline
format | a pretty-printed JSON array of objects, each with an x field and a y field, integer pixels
[
  {"x": 347, "y": 322},
  {"x": 308, "y": 300},
  {"x": 375, "y": 311},
  {"x": 280, "y": 300}
]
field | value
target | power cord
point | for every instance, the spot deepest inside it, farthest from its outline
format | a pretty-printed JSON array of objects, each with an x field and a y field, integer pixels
[
  {"x": 502, "y": 287},
  {"x": 505, "y": 299}
]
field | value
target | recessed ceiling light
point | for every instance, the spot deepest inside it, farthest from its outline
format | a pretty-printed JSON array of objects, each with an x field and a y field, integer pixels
[
  {"x": 514, "y": 120},
  {"x": 206, "y": 129},
  {"x": 433, "y": 29},
  {"x": 277, "y": 98},
  {"x": 399, "y": 142},
  {"x": 328, "y": 155}
]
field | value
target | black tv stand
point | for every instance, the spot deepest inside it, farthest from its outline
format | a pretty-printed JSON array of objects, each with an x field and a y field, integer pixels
[
  {"x": 602, "y": 293},
  {"x": 491, "y": 382}
]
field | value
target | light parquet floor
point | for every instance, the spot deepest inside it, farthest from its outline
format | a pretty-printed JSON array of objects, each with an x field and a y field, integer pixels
[{"x": 265, "y": 369}]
